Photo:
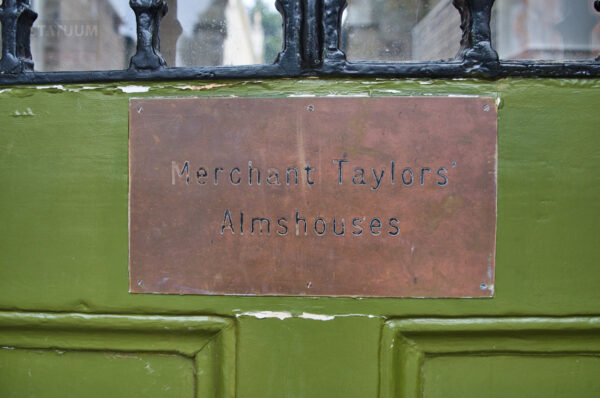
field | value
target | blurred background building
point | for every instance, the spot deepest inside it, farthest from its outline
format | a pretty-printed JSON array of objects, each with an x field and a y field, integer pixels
[
  {"x": 546, "y": 29},
  {"x": 423, "y": 30},
  {"x": 100, "y": 34},
  {"x": 401, "y": 30},
  {"x": 78, "y": 35},
  {"x": 225, "y": 33}
]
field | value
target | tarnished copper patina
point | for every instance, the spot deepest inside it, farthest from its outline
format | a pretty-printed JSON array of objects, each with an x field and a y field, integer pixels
[{"x": 388, "y": 197}]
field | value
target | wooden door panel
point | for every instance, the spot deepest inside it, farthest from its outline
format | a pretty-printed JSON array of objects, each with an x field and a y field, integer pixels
[
  {"x": 63, "y": 253},
  {"x": 513, "y": 375},
  {"x": 116, "y": 355},
  {"x": 425, "y": 357},
  {"x": 55, "y": 372}
]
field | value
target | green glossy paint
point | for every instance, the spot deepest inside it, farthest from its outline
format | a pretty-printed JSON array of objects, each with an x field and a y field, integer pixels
[
  {"x": 414, "y": 351},
  {"x": 63, "y": 251},
  {"x": 88, "y": 374},
  {"x": 517, "y": 376},
  {"x": 201, "y": 347}
]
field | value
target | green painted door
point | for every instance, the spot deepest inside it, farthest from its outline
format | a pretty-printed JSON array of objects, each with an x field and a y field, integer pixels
[{"x": 69, "y": 327}]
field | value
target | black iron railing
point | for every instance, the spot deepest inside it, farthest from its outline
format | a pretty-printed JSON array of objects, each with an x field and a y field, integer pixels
[{"x": 312, "y": 31}]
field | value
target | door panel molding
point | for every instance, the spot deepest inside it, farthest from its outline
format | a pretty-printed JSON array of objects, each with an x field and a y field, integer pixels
[
  {"x": 208, "y": 341},
  {"x": 407, "y": 344}
]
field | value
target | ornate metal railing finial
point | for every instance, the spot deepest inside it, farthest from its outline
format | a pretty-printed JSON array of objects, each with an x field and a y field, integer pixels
[
  {"x": 17, "y": 18},
  {"x": 148, "y": 14},
  {"x": 476, "y": 42}
]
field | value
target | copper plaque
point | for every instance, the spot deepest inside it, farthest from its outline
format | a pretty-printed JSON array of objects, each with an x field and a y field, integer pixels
[{"x": 384, "y": 197}]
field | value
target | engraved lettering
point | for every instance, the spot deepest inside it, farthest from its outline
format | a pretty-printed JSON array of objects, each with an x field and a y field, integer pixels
[
  {"x": 227, "y": 223},
  {"x": 282, "y": 223},
  {"x": 298, "y": 219},
  {"x": 320, "y": 220},
  {"x": 217, "y": 169},
  {"x": 343, "y": 231},
  {"x": 262, "y": 225},
  {"x": 359, "y": 229},
  {"x": 201, "y": 173},
  {"x": 250, "y": 172},
  {"x": 308, "y": 170},
  {"x": 423, "y": 170},
  {"x": 359, "y": 176},
  {"x": 176, "y": 173},
  {"x": 394, "y": 223},
  {"x": 288, "y": 171},
  {"x": 340, "y": 163},
  {"x": 273, "y": 177},
  {"x": 410, "y": 173},
  {"x": 444, "y": 178},
  {"x": 239, "y": 179},
  {"x": 260, "y": 221},
  {"x": 377, "y": 178},
  {"x": 374, "y": 225}
]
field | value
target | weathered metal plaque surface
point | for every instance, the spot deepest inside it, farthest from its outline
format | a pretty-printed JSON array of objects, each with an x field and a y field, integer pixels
[{"x": 390, "y": 197}]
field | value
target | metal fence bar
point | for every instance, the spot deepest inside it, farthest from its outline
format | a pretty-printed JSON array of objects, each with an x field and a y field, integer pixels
[{"x": 289, "y": 59}]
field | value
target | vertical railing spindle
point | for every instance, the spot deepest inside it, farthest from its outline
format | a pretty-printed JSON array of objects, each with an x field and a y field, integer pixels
[
  {"x": 148, "y": 14},
  {"x": 476, "y": 42},
  {"x": 290, "y": 58},
  {"x": 312, "y": 33},
  {"x": 332, "y": 29},
  {"x": 17, "y": 18}
]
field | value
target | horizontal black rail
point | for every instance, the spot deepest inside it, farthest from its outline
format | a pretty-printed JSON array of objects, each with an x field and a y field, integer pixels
[
  {"x": 405, "y": 70},
  {"x": 312, "y": 31}
]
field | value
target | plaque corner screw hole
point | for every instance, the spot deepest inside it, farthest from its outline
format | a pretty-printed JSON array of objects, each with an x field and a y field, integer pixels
[
  {"x": 483, "y": 286},
  {"x": 140, "y": 282},
  {"x": 310, "y": 108},
  {"x": 453, "y": 164},
  {"x": 308, "y": 284},
  {"x": 140, "y": 109},
  {"x": 486, "y": 108}
]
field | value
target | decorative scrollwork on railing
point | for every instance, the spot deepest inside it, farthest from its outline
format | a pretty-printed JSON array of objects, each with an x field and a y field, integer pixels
[
  {"x": 476, "y": 42},
  {"x": 148, "y": 14},
  {"x": 17, "y": 18}
]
